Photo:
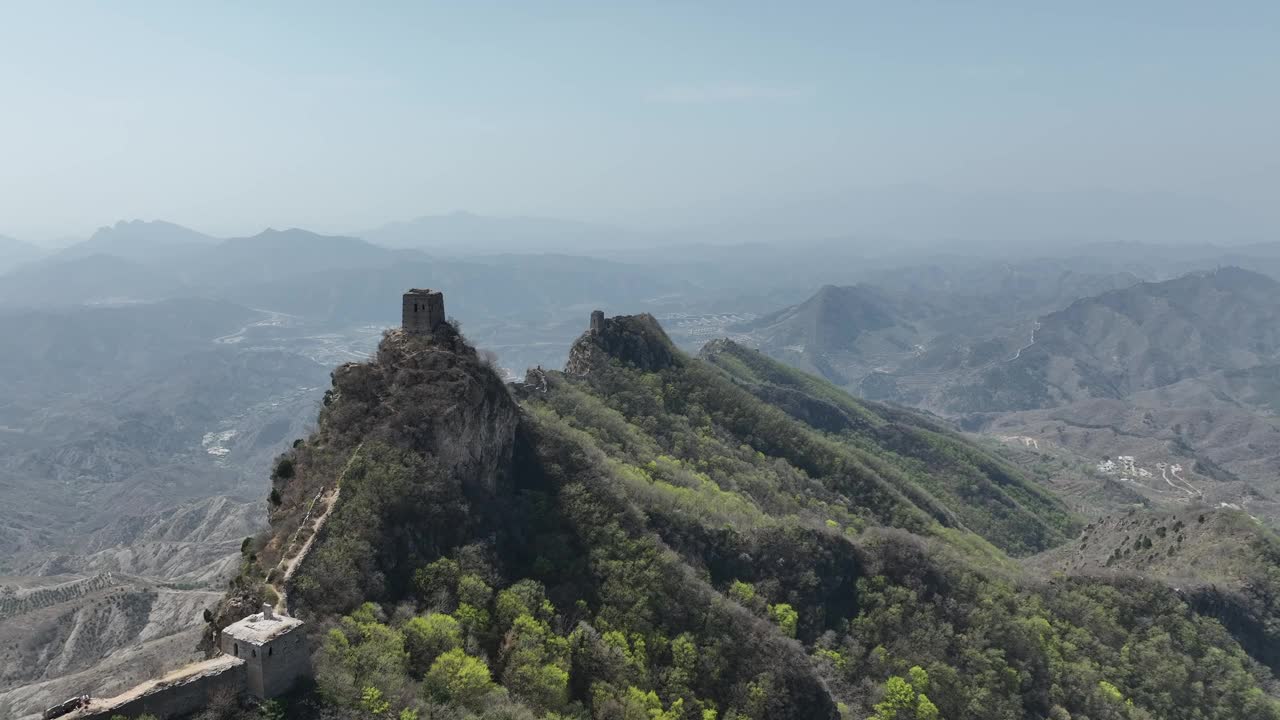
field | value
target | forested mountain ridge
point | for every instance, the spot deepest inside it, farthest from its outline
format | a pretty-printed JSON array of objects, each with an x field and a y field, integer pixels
[
  {"x": 653, "y": 535},
  {"x": 981, "y": 491},
  {"x": 1223, "y": 562}
]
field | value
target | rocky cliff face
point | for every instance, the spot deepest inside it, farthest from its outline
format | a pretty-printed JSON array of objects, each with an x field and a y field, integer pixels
[
  {"x": 637, "y": 341},
  {"x": 426, "y": 430},
  {"x": 433, "y": 395}
]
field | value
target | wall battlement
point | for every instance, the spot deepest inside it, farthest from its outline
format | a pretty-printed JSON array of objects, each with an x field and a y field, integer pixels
[
  {"x": 262, "y": 657},
  {"x": 274, "y": 651}
]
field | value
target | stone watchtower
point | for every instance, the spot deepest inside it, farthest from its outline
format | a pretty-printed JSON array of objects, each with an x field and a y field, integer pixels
[
  {"x": 597, "y": 322},
  {"x": 422, "y": 311},
  {"x": 273, "y": 649}
]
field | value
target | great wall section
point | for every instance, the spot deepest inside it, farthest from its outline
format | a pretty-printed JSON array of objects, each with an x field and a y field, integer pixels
[{"x": 262, "y": 655}]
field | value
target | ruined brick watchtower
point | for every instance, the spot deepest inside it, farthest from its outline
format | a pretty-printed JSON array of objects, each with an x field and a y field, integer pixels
[
  {"x": 597, "y": 322},
  {"x": 273, "y": 649},
  {"x": 422, "y": 311}
]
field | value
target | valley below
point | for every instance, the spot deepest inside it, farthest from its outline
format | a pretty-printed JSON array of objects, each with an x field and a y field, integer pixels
[
  {"x": 137, "y": 488},
  {"x": 139, "y": 422},
  {"x": 1150, "y": 394}
]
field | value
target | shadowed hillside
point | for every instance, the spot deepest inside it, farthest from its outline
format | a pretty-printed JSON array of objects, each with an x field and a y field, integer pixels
[{"x": 654, "y": 535}]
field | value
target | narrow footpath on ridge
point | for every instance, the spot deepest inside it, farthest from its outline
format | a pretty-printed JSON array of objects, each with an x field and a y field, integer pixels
[{"x": 291, "y": 560}]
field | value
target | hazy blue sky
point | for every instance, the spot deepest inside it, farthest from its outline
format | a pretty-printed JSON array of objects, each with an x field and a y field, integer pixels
[{"x": 229, "y": 116}]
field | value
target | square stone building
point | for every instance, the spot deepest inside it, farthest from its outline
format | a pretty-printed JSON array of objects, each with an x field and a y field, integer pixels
[
  {"x": 422, "y": 311},
  {"x": 274, "y": 649}
]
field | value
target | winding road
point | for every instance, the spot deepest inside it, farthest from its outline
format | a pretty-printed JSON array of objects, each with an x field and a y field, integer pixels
[{"x": 1018, "y": 354}]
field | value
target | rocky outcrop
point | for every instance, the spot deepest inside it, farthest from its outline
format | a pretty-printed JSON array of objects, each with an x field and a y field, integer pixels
[
  {"x": 431, "y": 394},
  {"x": 634, "y": 340},
  {"x": 428, "y": 405}
]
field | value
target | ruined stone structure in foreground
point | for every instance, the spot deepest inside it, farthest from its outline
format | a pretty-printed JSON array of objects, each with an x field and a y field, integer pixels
[
  {"x": 273, "y": 648},
  {"x": 422, "y": 311},
  {"x": 261, "y": 657}
]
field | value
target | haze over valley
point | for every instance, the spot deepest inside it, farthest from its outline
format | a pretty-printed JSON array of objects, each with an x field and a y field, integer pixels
[
  {"x": 585, "y": 362},
  {"x": 161, "y": 370}
]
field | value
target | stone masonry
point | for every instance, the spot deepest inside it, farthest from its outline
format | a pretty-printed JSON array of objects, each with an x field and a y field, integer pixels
[
  {"x": 422, "y": 311},
  {"x": 262, "y": 656},
  {"x": 273, "y": 648}
]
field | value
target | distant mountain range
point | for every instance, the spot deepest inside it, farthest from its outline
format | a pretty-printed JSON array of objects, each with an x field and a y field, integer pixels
[
  {"x": 1179, "y": 375},
  {"x": 467, "y": 233},
  {"x": 921, "y": 321},
  {"x": 14, "y": 253},
  {"x": 1140, "y": 338},
  {"x": 844, "y": 319},
  {"x": 137, "y": 240}
]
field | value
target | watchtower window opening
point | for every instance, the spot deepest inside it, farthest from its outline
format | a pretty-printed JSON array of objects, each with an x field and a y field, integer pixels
[
  {"x": 235, "y": 648},
  {"x": 270, "y": 651},
  {"x": 255, "y": 652}
]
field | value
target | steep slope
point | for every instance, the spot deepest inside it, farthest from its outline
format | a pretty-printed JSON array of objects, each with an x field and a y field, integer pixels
[
  {"x": 644, "y": 536},
  {"x": 986, "y": 493},
  {"x": 835, "y": 319},
  {"x": 438, "y": 471},
  {"x": 60, "y": 637},
  {"x": 1221, "y": 560},
  {"x": 846, "y": 333}
]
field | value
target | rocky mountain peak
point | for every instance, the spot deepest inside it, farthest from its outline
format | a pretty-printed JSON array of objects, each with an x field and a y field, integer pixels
[{"x": 634, "y": 340}]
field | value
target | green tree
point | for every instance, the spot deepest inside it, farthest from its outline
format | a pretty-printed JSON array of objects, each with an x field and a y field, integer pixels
[
  {"x": 273, "y": 710},
  {"x": 474, "y": 620},
  {"x": 905, "y": 700},
  {"x": 537, "y": 664},
  {"x": 899, "y": 699},
  {"x": 526, "y": 597},
  {"x": 545, "y": 687},
  {"x": 473, "y": 590},
  {"x": 786, "y": 617},
  {"x": 360, "y": 653},
  {"x": 636, "y": 704},
  {"x": 457, "y": 677},
  {"x": 284, "y": 469},
  {"x": 428, "y": 637},
  {"x": 437, "y": 582},
  {"x": 743, "y": 592},
  {"x": 372, "y": 702}
]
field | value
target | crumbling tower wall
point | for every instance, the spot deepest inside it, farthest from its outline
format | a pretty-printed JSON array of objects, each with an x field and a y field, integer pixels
[{"x": 422, "y": 311}]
